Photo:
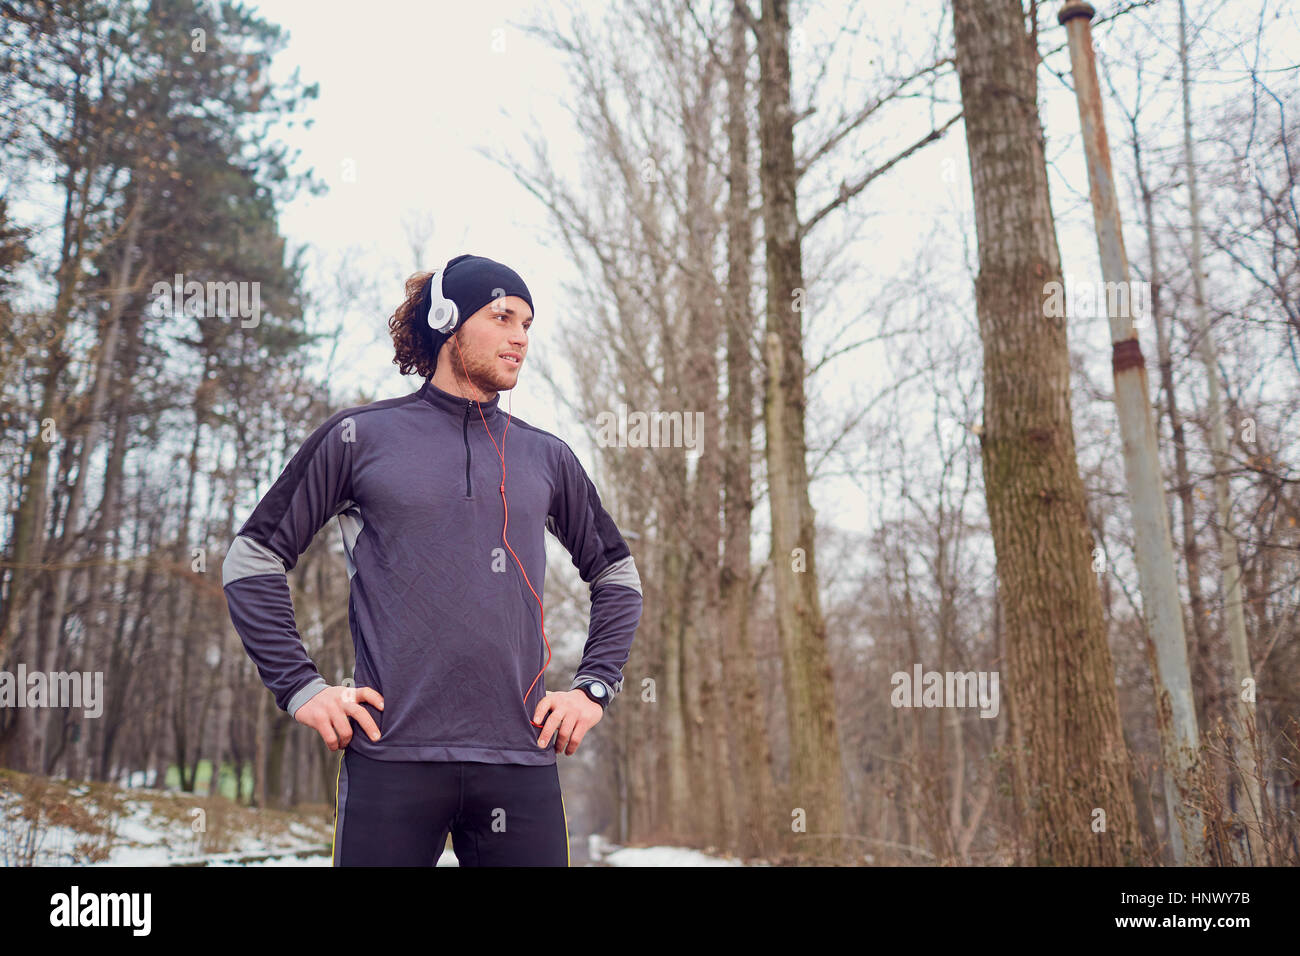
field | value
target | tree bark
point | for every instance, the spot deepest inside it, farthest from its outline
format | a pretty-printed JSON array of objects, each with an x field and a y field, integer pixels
[
  {"x": 816, "y": 767},
  {"x": 1059, "y": 664},
  {"x": 756, "y": 793}
]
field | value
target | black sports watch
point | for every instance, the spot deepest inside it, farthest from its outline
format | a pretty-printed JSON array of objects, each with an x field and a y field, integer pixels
[{"x": 595, "y": 690}]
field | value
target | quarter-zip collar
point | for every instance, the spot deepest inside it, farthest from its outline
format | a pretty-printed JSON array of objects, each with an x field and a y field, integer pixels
[{"x": 456, "y": 405}]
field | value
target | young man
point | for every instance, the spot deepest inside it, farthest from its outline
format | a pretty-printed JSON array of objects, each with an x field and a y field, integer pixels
[{"x": 443, "y": 532}]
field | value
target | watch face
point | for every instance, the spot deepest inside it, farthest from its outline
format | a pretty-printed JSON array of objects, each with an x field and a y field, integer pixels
[{"x": 597, "y": 689}]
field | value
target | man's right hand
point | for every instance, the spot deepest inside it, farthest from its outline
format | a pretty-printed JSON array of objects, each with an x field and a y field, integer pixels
[{"x": 327, "y": 713}]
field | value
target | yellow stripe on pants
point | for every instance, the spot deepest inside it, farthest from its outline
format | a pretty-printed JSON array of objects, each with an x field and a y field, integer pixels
[
  {"x": 566, "y": 831},
  {"x": 335, "y": 840}
]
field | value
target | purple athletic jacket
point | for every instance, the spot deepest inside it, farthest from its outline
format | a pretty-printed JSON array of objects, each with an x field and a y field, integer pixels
[{"x": 443, "y": 624}]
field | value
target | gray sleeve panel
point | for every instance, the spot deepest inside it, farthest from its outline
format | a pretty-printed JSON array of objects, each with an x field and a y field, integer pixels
[
  {"x": 248, "y": 557},
  {"x": 605, "y": 563},
  {"x": 306, "y": 694},
  {"x": 623, "y": 571},
  {"x": 351, "y": 525}
]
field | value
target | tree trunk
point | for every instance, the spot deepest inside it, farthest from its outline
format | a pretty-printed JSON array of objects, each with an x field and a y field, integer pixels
[
  {"x": 29, "y": 532},
  {"x": 816, "y": 768},
  {"x": 747, "y": 722},
  {"x": 714, "y": 791},
  {"x": 672, "y": 696},
  {"x": 121, "y": 282},
  {"x": 1059, "y": 665},
  {"x": 1241, "y": 712}
]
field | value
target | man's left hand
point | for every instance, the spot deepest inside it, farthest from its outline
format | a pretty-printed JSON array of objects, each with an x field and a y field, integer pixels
[{"x": 572, "y": 714}]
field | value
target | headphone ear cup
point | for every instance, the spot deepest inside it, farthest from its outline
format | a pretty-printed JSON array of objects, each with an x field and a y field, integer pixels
[{"x": 443, "y": 314}]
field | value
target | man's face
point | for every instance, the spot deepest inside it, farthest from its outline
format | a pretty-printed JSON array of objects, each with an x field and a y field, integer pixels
[{"x": 491, "y": 345}]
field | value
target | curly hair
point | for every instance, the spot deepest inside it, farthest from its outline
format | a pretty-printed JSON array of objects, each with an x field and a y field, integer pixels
[{"x": 415, "y": 346}]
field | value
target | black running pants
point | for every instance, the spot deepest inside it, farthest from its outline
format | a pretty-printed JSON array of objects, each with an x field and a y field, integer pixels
[{"x": 398, "y": 813}]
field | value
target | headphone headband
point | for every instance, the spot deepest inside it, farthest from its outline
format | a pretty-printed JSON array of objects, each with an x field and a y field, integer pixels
[{"x": 477, "y": 282}]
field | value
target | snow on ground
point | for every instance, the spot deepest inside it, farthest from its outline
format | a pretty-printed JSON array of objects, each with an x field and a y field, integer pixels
[
  {"x": 622, "y": 856},
  {"x": 105, "y": 825},
  {"x": 59, "y": 823},
  {"x": 665, "y": 856}
]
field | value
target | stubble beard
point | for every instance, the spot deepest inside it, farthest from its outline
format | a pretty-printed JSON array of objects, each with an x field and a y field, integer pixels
[{"x": 483, "y": 376}]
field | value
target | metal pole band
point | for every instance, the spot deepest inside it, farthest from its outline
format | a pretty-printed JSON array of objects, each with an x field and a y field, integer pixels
[
  {"x": 1126, "y": 355},
  {"x": 1075, "y": 8}
]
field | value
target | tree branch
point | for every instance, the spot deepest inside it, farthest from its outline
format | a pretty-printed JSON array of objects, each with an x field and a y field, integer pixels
[{"x": 847, "y": 192}]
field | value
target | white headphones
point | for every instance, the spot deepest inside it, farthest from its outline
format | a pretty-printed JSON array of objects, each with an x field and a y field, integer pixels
[{"x": 443, "y": 314}]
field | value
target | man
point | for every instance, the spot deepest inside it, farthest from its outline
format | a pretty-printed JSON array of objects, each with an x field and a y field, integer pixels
[{"x": 443, "y": 533}]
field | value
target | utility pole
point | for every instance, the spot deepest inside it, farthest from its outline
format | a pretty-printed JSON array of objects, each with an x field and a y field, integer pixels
[{"x": 1175, "y": 711}]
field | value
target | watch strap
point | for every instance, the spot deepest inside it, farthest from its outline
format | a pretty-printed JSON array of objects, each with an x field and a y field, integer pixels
[{"x": 584, "y": 684}]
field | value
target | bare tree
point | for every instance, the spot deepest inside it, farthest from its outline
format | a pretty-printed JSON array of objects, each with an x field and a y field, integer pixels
[
  {"x": 1242, "y": 712},
  {"x": 1070, "y": 759}
]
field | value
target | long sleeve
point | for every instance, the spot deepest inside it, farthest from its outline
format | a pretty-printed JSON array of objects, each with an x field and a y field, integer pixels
[
  {"x": 605, "y": 564},
  {"x": 314, "y": 486}
]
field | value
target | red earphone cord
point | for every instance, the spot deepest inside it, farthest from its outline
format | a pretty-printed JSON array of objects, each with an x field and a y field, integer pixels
[{"x": 501, "y": 453}]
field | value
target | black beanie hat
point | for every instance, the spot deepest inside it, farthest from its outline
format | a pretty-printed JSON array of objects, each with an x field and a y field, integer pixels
[{"x": 472, "y": 282}]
